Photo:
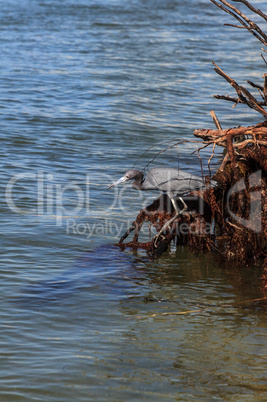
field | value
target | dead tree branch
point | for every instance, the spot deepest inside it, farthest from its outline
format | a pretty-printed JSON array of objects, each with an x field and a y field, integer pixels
[
  {"x": 243, "y": 19},
  {"x": 245, "y": 96},
  {"x": 256, "y": 11},
  {"x": 258, "y": 134}
]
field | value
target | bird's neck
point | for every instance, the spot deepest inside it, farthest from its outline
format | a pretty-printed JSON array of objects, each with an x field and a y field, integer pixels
[{"x": 138, "y": 181}]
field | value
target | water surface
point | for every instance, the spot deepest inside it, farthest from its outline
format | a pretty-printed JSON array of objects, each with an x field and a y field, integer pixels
[{"x": 86, "y": 88}]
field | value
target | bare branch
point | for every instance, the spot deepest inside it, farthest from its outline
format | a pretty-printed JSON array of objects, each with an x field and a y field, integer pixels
[
  {"x": 235, "y": 26},
  {"x": 263, "y": 57},
  {"x": 258, "y": 133},
  {"x": 265, "y": 87},
  {"x": 256, "y": 11},
  {"x": 244, "y": 96},
  {"x": 215, "y": 120},
  {"x": 255, "y": 85},
  {"x": 227, "y": 98},
  {"x": 243, "y": 19}
]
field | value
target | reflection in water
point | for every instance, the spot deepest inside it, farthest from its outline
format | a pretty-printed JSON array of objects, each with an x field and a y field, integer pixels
[
  {"x": 109, "y": 270},
  {"x": 105, "y": 270},
  {"x": 125, "y": 335}
]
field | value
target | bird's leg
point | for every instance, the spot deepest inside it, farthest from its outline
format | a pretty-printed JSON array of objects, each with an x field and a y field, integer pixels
[
  {"x": 126, "y": 234},
  {"x": 173, "y": 218},
  {"x": 184, "y": 204}
]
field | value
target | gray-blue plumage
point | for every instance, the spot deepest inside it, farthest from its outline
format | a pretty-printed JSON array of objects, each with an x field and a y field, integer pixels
[
  {"x": 167, "y": 180},
  {"x": 173, "y": 182}
]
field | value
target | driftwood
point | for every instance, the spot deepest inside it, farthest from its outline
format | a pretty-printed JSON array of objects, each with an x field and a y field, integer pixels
[
  {"x": 243, "y": 19},
  {"x": 247, "y": 143},
  {"x": 243, "y": 95},
  {"x": 235, "y": 211},
  {"x": 235, "y": 140}
]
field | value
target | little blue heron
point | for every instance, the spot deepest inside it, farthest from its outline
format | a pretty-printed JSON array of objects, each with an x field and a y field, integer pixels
[{"x": 173, "y": 182}]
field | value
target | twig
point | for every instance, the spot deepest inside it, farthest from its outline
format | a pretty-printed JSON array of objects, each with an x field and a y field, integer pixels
[
  {"x": 232, "y": 224},
  {"x": 228, "y": 98},
  {"x": 215, "y": 120},
  {"x": 256, "y": 11},
  {"x": 211, "y": 157},
  {"x": 225, "y": 160},
  {"x": 243, "y": 94},
  {"x": 235, "y": 26},
  {"x": 260, "y": 89},
  {"x": 255, "y": 85},
  {"x": 211, "y": 135},
  {"x": 244, "y": 20},
  {"x": 263, "y": 57}
]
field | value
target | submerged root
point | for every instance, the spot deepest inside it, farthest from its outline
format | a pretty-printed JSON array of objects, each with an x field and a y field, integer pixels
[{"x": 230, "y": 218}]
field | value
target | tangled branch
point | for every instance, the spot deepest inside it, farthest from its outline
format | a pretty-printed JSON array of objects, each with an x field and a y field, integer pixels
[
  {"x": 245, "y": 22},
  {"x": 243, "y": 95}
]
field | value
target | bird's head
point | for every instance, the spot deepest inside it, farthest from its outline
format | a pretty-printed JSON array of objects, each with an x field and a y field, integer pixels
[{"x": 130, "y": 175}]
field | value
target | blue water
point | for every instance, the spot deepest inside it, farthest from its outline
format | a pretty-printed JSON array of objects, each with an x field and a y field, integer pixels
[{"x": 86, "y": 87}]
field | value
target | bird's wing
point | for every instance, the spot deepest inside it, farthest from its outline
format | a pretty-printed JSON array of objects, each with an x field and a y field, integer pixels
[{"x": 172, "y": 181}]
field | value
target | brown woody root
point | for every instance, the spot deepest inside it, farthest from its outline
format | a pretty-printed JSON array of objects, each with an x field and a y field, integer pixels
[
  {"x": 231, "y": 239},
  {"x": 239, "y": 217}
]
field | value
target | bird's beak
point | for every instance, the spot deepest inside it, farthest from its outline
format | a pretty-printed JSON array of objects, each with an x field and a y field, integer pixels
[{"x": 121, "y": 180}]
